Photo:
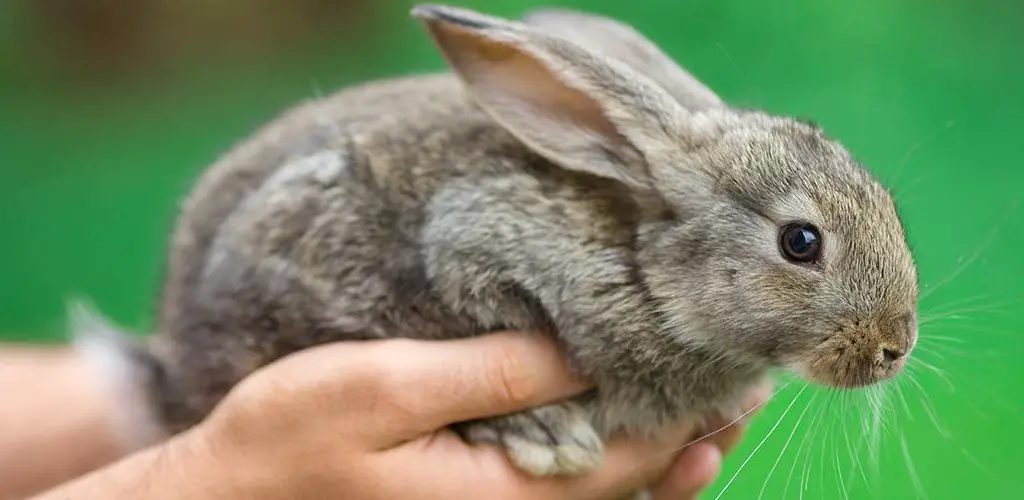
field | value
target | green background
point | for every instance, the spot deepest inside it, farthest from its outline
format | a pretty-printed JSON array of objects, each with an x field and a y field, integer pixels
[{"x": 926, "y": 93}]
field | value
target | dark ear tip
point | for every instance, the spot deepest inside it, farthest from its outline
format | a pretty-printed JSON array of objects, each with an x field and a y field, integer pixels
[{"x": 431, "y": 12}]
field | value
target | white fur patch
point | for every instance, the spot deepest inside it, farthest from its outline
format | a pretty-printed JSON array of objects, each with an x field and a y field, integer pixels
[
  {"x": 100, "y": 345},
  {"x": 322, "y": 167}
]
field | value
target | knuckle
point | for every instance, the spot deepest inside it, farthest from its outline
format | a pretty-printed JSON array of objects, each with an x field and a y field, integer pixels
[
  {"x": 510, "y": 377},
  {"x": 386, "y": 387},
  {"x": 378, "y": 366}
]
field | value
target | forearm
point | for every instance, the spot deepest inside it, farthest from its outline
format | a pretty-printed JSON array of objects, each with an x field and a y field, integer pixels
[
  {"x": 178, "y": 469},
  {"x": 54, "y": 423}
]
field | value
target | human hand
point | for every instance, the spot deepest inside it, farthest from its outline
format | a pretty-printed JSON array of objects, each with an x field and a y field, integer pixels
[{"x": 369, "y": 420}]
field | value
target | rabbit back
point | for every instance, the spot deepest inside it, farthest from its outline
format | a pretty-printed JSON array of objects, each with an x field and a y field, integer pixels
[{"x": 316, "y": 231}]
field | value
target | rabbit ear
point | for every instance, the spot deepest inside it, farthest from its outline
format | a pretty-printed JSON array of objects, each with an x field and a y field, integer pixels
[
  {"x": 621, "y": 41},
  {"x": 579, "y": 110}
]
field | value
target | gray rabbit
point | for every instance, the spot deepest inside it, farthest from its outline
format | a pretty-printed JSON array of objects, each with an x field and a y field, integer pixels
[{"x": 565, "y": 177}]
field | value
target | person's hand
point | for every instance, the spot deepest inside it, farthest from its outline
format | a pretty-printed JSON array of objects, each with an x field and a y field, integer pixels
[{"x": 369, "y": 420}]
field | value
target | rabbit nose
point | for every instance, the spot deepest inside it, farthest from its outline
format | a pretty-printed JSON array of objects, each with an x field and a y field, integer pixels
[
  {"x": 892, "y": 354},
  {"x": 897, "y": 340}
]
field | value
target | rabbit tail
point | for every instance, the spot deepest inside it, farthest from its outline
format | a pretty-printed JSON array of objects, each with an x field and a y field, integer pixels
[{"x": 127, "y": 370}]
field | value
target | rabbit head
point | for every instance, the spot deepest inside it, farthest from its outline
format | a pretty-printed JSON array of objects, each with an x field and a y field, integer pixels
[{"x": 761, "y": 237}]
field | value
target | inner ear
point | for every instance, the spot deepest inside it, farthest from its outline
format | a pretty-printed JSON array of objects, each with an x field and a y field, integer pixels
[
  {"x": 576, "y": 109},
  {"x": 499, "y": 71}
]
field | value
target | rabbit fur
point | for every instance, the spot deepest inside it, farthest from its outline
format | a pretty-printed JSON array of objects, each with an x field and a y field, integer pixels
[{"x": 565, "y": 177}]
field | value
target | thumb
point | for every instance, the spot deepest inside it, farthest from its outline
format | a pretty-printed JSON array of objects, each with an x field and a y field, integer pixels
[{"x": 438, "y": 383}]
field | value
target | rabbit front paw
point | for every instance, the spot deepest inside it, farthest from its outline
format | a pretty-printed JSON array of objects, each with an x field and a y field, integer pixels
[{"x": 552, "y": 440}]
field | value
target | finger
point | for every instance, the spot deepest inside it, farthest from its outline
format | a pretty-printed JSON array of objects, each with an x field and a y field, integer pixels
[
  {"x": 429, "y": 385},
  {"x": 725, "y": 433},
  {"x": 630, "y": 465},
  {"x": 485, "y": 472},
  {"x": 727, "y": 440},
  {"x": 453, "y": 469},
  {"x": 693, "y": 472}
]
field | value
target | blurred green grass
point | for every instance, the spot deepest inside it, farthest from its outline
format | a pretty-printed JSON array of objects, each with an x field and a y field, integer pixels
[{"x": 926, "y": 94}]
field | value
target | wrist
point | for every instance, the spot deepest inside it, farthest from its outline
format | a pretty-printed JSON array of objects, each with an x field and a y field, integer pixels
[
  {"x": 174, "y": 469},
  {"x": 229, "y": 469}
]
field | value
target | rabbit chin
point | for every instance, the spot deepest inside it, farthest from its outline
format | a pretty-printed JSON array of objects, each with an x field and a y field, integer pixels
[{"x": 840, "y": 372}]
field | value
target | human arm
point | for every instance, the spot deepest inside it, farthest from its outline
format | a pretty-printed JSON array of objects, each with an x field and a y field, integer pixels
[
  {"x": 375, "y": 415},
  {"x": 54, "y": 420}
]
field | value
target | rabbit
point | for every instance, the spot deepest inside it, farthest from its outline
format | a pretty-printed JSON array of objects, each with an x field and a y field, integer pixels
[{"x": 564, "y": 176}]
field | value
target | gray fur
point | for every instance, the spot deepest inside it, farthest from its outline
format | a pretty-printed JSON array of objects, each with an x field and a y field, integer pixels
[
  {"x": 637, "y": 226},
  {"x": 614, "y": 39}
]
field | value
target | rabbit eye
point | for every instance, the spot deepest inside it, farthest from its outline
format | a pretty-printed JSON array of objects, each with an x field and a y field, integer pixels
[{"x": 800, "y": 242}]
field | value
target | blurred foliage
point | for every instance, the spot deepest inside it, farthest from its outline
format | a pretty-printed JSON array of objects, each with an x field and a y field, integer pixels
[{"x": 105, "y": 121}]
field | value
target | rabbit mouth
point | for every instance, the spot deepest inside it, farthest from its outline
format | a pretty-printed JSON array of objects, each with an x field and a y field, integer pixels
[
  {"x": 844, "y": 365},
  {"x": 860, "y": 353}
]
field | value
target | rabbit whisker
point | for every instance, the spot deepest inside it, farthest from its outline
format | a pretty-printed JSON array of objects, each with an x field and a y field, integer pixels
[
  {"x": 805, "y": 480},
  {"x": 932, "y": 368},
  {"x": 914, "y": 478},
  {"x": 929, "y": 408},
  {"x": 942, "y": 338},
  {"x": 915, "y": 148},
  {"x": 839, "y": 474},
  {"x": 977, "y": 299},
  {"x": 786, "y": 445},
  {"x": 903, "y": 401},
  {"x": 758, "y": 447},
  {"x": 877, "y": 400},
  {"x": 929, "y": 350},
  {"x": 743, "y": 75},
  {"x": 973, "y": 256},
  {"x": 856, "y": 464},
  {"x": 958, "y": 314},
  {"x": 811, "y": 427},
  {"x": 977, "y": 463},
  {"x": 983, "y": 329},
  {"x": 726, "y": 426},
  {"x": 829, "y": 434}
]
